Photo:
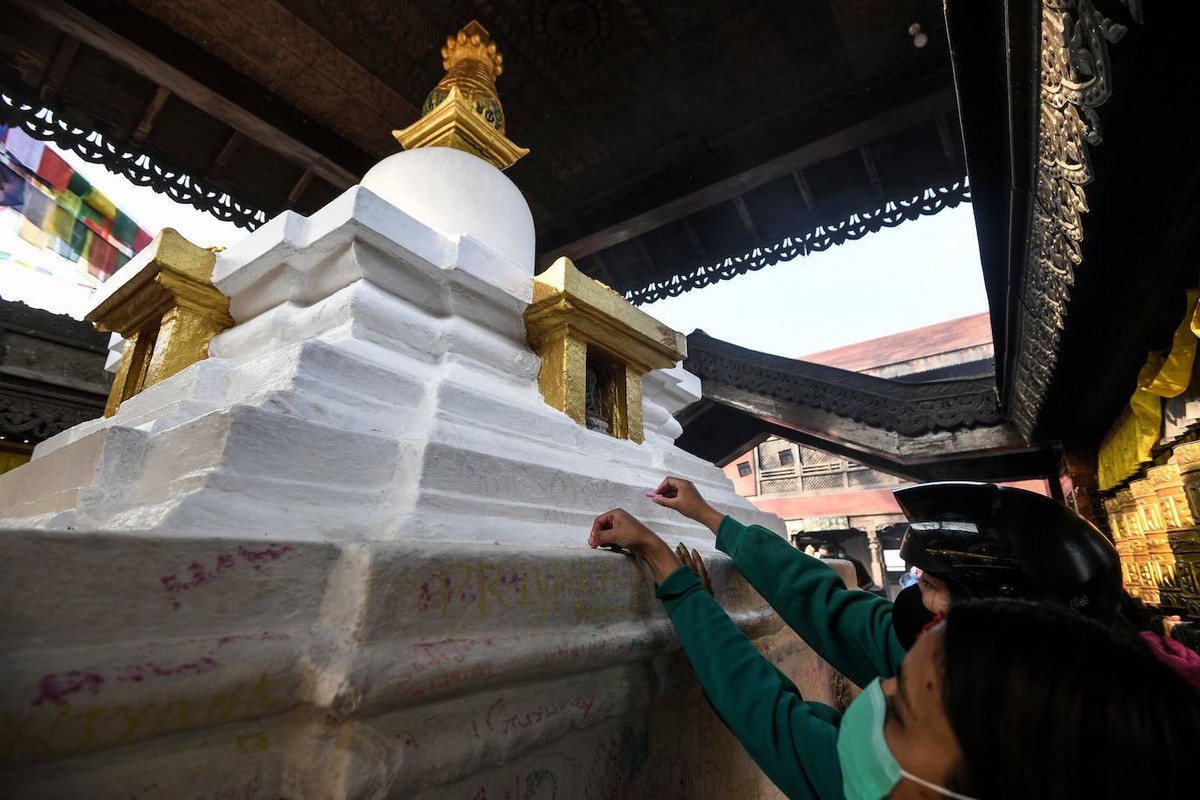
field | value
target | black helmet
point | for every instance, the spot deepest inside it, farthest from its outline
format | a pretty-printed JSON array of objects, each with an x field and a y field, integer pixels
[{"x": 996, "y": 541}]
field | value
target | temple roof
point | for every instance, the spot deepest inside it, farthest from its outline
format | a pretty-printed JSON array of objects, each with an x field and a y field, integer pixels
[
  {"x": 1087, "y": 248},
  {"x": 1085, "y": 181},
  {"x": 51, "y": 373},
  {"x": 675, "y": 145},
  {"x": 922, "y": 431},
  {"x": 672, "y": 145},
  {"x": 941, "y": 337}
]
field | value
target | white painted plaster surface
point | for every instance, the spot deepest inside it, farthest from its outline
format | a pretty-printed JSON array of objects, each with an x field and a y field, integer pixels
[{"x": 345, "y": 556}]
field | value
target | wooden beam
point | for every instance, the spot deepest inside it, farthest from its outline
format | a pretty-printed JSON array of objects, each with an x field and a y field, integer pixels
[
  {"x": 300, "y": 186},
  {"x": 943, "y": 128},
  {"x": 694, "y": 237},
  {"x": 843, "y": 141},
  {"x": 872, "y": 171},
  {"x": 146, "y": 124},
  {"x": 230, "y": 148},
  {"x": 805, "y": 190},
  {"x": 57, "y": 71},
  {"x": 739, "y": 203},
  {"x": 89, "y": 31}
]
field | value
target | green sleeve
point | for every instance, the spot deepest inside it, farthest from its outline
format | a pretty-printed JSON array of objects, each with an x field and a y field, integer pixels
[
  {"x": 852, "y": 630},
  {"x": 793, "y": 741}
]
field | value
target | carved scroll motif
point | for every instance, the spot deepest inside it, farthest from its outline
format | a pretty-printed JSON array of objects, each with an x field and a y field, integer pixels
[{"x": 1076, "y": 78}]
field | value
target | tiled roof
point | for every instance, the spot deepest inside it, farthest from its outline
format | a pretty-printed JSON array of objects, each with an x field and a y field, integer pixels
[{"x": 942, "y": 337}]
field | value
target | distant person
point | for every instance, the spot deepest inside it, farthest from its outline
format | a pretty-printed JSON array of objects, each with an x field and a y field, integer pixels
[{"x": 1001, "y": 699}]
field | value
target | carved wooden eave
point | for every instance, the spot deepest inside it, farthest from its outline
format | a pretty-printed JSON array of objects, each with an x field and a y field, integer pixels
[
  {"x": 1029, "y": 156},
  {"x": 803, "y": 240},
  {"x": 923, "y": 431},
  {"x": 51, "y": 373},
  {"x": 1074, "y": 75},
  {"x": 681, "y": 153}
]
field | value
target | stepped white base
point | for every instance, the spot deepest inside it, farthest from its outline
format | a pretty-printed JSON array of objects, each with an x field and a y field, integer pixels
[{"x": 346, "y": 555}]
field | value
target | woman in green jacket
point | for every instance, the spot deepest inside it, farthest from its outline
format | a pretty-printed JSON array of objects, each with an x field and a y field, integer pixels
[
  {"x": 1003, "y": 700},
  {"x": 973, "y": 540}
]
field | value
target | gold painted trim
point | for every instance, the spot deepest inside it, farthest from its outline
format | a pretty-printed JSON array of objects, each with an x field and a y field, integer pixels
[
  {"x": 573, "y": 320},
  {"x": 165, "y": 305}
]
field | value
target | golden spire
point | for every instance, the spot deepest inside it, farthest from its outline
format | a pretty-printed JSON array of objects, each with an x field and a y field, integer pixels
[{"x": 463, "y": 111}]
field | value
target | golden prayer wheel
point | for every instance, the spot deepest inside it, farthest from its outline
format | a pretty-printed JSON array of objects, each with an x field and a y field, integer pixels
[
  {"x": 1176, "y": 517},
  {"x": 1112, "y": 507},
  {"x": 1149, "y": 515},
  {"x": 1187, "y": 456},
  {"x": 1168, "y": 488},
  {"x": 1133, "y": 540},
  {"x": 1185, "y": 542}
]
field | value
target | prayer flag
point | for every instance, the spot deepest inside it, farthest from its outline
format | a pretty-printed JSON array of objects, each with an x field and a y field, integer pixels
[
  {"x": 124, "y": 229},
  {"x": 54, "y": 170},
  {"x": 93, "y": 218},
  {"x": 32, "y": 233},
  {"x": 38, "y": 205},
  {"x": 102, "y": 257},
  {"x": 62, "y": 222},
  {"x": 12, "y": 189},
  {"x": 63, "y": 248},
  {"x": 141, "y": 239},
  {"x": 79, "y": 239},
  {"x": 25, "y": 148},
  {"x": 37, "y": 210},
  {"x": 104, "y": 207},
  {"x": 78, "y": 185}
]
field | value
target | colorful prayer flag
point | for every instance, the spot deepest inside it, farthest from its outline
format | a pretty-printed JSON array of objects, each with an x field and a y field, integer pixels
[
  {"x": 62, "y": 222},
  {"x": 12, "y": 189},
  {"x": 104, "y": 207},
  {"x": 25, "y": 148},
  {"x": 124, "y": 229},
  {"x": 54, "y": 170},
  {"x": 141, "y": 239},
  {"x": 102, "y": 257},
  {"x": 79, "y": 239},
  {"x": 78, "y": 185}
]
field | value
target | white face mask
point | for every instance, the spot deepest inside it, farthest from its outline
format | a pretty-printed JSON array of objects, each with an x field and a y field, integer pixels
[{"x": 869, "y": 770}]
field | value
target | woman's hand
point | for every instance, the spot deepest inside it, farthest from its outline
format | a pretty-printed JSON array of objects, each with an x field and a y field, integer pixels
[
  {"x": 618, "y": 529},
  {"x": 693, "y": 561},
  {"x": 681, "y": 495}
]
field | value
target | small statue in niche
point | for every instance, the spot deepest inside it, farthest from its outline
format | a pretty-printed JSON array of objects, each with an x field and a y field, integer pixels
[{"x": 592, "y": 413}]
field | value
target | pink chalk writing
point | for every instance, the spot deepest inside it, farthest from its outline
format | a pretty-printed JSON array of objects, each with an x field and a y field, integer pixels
[
  {"x": 57, "y": 687},
  {"x": 444, "y": 680},
  {"x": 202, "y": 576},
  {"x": 137, "y": 673},
  {"x": 254, "y": 637}
]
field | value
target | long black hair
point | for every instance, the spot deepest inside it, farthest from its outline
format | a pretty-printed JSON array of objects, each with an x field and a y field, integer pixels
[{"x": 1048, "y": 704}]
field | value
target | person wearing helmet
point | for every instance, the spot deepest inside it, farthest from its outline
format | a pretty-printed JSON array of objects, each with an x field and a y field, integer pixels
[
  {"x": 973, "y": 540},
  {"x": 983, "y": 540}
]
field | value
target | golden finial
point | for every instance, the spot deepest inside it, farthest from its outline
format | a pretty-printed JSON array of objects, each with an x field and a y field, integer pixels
[{"x": 463, "y": 111}]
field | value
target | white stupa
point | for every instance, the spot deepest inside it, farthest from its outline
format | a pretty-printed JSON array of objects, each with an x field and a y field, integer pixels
[{"x": 345, "y": 554}]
